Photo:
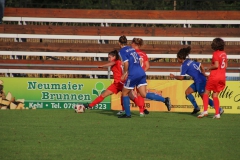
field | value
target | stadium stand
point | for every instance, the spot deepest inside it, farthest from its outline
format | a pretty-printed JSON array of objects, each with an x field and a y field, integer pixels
[{"x": 67, "y": 41}]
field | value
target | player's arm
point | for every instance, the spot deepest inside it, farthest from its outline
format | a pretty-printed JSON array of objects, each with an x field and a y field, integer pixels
[
  {"x": 176, "y": 77},
  {"x": 147, "y": 65},
  {"x": 203, "y": 70},
  {"x": 214, "y": 66},
  {"x": 107, "y": 64},
  {"x": 125, "y": 70},
  {"x": 183, "y": 72}
]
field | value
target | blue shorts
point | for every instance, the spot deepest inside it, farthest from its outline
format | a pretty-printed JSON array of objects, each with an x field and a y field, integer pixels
[
  {"x": 138, "y": 81},
  {"x": 198, "y": 87}
]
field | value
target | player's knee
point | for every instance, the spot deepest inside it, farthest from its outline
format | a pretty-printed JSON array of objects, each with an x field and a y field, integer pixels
[{"x": 143, "y": 95}]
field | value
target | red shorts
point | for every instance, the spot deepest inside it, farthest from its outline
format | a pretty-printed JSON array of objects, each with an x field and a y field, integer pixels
[
  {"x": 215, "y": 85},
  {"x": 115, "y": 87}
]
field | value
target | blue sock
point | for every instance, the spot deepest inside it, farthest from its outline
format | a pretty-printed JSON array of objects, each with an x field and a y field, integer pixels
[
  {"x": 126, "y": 104},
  {"x": 155, "y": 97},
  {"x": 210, "y": 102},
  {"x": 192, "y": 100}
]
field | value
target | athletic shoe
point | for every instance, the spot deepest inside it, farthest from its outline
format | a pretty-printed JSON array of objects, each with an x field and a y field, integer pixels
[
  {"x": 87, "y": 106},
  {"x": 221, "y": 111},
  {"x": 146, "y": 111},
  {"x": 168, "y": 103},
  {"x": 142, "y": 115},
  {"x": 120, "y": 113},
  {"x": 203, "y": 114},
  {"x": 217, "y": 116},
  {"x": 124, "y": 116},
  {"x": 195, "y": 111}
]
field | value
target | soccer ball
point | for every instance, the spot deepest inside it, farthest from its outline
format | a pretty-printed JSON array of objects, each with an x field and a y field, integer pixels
[{"x": 79, "y": 108}]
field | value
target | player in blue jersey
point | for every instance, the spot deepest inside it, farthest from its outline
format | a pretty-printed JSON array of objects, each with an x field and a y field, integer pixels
[
  {"x": 135, "y": 77},
  {"x": 197, "y": 72}
]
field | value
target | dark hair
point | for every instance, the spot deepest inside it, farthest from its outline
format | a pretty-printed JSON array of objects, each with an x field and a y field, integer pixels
[
  {"x": 114, "y": 53},
  {"x": 183, "y": 53},
  {"x": 122, "y": 40},
  {"x": 138, "y": 41},
  {"x": 218, "y": 44}
]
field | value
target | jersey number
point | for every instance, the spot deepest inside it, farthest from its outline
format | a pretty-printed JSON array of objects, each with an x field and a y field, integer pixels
[
  {"x": 135, "y": 57},
  {"x": 223, "y": 65}
]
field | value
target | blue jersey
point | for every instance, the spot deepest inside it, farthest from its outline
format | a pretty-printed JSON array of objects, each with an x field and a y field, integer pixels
[
  {"x": 192, "y": 68},
  {"x": 129, "y": 54}
]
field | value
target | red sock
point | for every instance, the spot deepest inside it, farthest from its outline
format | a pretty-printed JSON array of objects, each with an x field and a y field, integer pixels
[
  {"x": 122, "y": 104},
  {"x": 99, "y": 99},
  {"x": 139, "y": 101},
  {"x": 205, "y": 102},
  {"x": 216, "y": 105}
]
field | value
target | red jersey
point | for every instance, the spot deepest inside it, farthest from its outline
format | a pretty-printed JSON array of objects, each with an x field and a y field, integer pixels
[
  {"x": 117, "y": 71},
  {"x": 219, "y": 73},
  {"x": 144, "y": 56}
]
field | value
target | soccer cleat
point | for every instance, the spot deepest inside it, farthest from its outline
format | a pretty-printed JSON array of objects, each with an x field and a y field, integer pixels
[
  {"x": 217, "y": 116},
  {"x": 120, "y": 113},
  {"x": 87, "y": 106},
  {"x": 195, "y": 111},
  {"x": 168, "y": 103},
  {"x": 142, "y": 115},
  {"x": 146, "y": 111},
  {"x": 221, "y": 111},
  {"x": 124, "y": 116},
  {"x": 203, "y": 114}
]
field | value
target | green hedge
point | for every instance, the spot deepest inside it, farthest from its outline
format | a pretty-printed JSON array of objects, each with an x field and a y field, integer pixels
[{"x": 129, "y": 4}]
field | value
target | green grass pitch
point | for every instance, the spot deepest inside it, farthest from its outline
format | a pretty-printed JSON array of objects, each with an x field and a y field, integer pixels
[{"x": 98, "y": 134}]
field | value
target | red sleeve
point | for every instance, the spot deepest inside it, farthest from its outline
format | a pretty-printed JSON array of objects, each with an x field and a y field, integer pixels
[
  {"x": 215, "y": 57},
  {"x": 146, "y": 57}
]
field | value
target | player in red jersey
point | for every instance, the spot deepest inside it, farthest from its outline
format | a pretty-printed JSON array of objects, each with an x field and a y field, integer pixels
[
  {"x": 217, "y": 79},
  {"x": 136, "y": 44},
  {"x": 117, "y": 85}
]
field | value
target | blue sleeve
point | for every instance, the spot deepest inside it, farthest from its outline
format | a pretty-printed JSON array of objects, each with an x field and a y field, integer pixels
[
  {"x": 198, "y": 64},
  {"x": 184, "y": 69},
  {"x": 123, "y": 56}
]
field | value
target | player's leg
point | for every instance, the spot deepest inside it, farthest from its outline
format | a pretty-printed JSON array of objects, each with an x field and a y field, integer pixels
[
  {"x": 200, "y": 90},
  {"x": 120, "y": 88},
  {"x": 216, "y": 104},
  {"x": 191, "y": 89},
  {"x": 109, "y": 91},
  {"x": 126, "y": 103},
  {"x": 220, "y": 85},
  {"x": 205, "y": 103},
  {"x": 150, "y": 95},
  {"x": 127, "y": 88},
  {"x": 138, "y": 100},
  {"x": 141, "y": 103},
  {"x": 100, "y": 98}
]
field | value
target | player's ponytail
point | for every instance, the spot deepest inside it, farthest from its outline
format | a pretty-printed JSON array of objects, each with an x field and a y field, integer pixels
[
  {"x": 183, "y": 53},
  {"x": 114, "y": 54}
]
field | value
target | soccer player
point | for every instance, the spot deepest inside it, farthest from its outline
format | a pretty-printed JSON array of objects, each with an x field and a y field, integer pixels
[
  {"x": 135, "y": 77},
  {"x": 197, "y": 72},
  {"x": 217, "y": 79},
  {"x": 136, "y": 44},
  {"x": 117, "y": 85}
]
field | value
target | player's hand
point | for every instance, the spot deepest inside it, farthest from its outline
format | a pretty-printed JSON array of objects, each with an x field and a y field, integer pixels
[{"x": 122, "y": 77}]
